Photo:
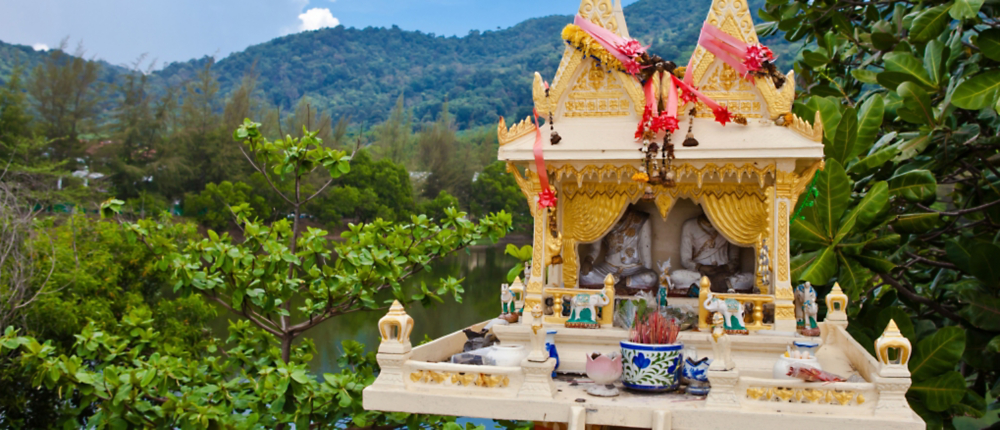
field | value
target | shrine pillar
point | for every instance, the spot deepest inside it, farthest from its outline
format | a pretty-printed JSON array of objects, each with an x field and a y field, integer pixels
[
  {"x": 784, "y": 203},
  {"x": 530, "y": 187}
]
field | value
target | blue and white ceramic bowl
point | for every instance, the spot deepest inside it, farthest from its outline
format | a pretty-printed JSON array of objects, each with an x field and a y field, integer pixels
[{"x": 651, "y": 367}]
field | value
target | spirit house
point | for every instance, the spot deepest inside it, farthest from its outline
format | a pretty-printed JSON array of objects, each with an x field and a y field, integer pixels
[{"x": 660, "y": 293}]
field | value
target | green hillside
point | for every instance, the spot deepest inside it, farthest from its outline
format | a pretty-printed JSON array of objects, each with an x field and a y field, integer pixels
[{"x": 360, "y": 72}]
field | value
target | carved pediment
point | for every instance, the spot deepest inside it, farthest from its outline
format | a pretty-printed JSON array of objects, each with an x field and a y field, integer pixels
[{"x": 753, "y": 99}]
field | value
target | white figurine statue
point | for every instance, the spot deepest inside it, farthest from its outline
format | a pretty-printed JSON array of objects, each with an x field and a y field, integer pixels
[
  {"x": 806, "y": 309},
  {"x": 704, "y": 252},
  {"x": 627, "y": 256},
  {"x": 722, "y": 348}
]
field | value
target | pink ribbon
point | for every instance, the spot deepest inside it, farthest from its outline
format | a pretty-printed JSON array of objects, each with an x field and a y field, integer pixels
[
  {"x": 724, "y": 46},
  {"x": 625, "y": 50},
  {"x": 651, "y": 104},
  {"x": 671, "y": 97},
  {"x": 721, "y": 113},
  {"x": 689, "y": 88},
  {"x": 545, "y": 198}
]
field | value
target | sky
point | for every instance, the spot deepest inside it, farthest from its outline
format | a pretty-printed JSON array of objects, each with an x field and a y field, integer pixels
[{"x": 165, "y": 31}]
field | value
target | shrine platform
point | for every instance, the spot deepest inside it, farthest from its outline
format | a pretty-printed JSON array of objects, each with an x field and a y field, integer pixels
[{"x": 420, "y": 380}]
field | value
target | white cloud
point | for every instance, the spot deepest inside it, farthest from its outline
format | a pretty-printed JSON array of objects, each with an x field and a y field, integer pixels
[
  {"x": 317, "y": 18},
  {"x": 40, "y": 47}
]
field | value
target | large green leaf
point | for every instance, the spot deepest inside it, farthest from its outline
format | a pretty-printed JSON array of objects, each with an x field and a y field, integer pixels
[
  {"x": 911, "y": 148},
  {"x": 852, "y": 276},
  {"x": 937, "y": 353},
  {"x": 905, "y": 62},
  {"x": 916, "y": 223},
  {"x": 869, "y": 122},
  {"x": 820, "y": 270},
  {"x": 874, "y": 161},
  {"x": 874, "y": 262},
  {"x": 935, "y": 54},
  {"x": 987, "y": 421},
  {"x": 829, "y": 111},
  {"x": 983, "y": 311},
  {"x": 841, "y": 147},
  {"x": 834, "y": 192},
  {"x": 976, "y": 258},
  {"x": 930, "y": 23},
  {"x": 917, "y": 106},
  {"x": 989, "y": 43},
  {"x": 965, "y": 9},
  {"x": 801, "y": 262},
  {"x": 939, "y": 393},
  {"x": 869, "y": 207},
  {"x": 808, "y": 235},
  {"x": 915, "y": 186},
  {"x": 866, "y": 76},
  {"x": 884, "y": 242},
  {"x": 977, "y": 92}
]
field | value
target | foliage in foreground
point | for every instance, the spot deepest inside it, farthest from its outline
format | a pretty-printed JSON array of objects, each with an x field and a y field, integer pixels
[
  {"x": 279, "y": 280},
  {"x": 907, "y": 214}
]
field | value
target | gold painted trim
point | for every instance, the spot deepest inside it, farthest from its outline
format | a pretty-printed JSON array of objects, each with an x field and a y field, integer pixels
[
  {"x": 779, "y": 101},
  {"x": 507, "y": 135},
  {"x": 682, "y": 171},
  {"x": 812, "y": 132}
]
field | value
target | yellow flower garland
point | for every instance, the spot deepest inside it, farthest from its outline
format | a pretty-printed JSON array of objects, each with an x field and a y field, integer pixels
[{"x": 576, "y": 36}]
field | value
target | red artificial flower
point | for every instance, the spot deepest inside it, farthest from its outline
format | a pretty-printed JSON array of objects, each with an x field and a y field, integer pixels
[
  {"x": 641, "y": 129},
  {"x": 547, "y": 199},
  {"x": 722, "y": 115},
  {"x": 632, "y": 67},
  {"x": 632, "y": 48},
  {"x": 756, "y": 55},
  {"x": 688, "y": 97},
  {"x": 665, "y": 123}
]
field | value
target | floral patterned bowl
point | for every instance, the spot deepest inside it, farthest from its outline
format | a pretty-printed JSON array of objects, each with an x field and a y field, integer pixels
[{"x": 651, "y": 367}]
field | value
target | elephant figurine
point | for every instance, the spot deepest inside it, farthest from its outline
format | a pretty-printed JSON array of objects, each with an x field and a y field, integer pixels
[
  {"x": 806, "y": 310},
  {"x": 584, "y": 314},
  {"x": 731, "y": 311}
]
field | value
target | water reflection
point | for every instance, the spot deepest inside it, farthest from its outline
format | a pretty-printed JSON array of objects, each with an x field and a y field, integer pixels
[{"x": 484, "y": 269}]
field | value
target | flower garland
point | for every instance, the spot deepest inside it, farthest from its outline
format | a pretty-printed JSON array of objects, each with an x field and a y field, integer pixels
[{"x": 583, "y": 42}]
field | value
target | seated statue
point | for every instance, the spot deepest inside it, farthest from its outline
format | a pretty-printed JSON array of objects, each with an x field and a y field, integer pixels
[
  {"x": 704, "y": 252},
  {"x": 626, "y": 256}
]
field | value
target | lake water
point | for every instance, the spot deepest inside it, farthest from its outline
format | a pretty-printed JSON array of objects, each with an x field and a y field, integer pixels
[{"x": 483, "y": 269}]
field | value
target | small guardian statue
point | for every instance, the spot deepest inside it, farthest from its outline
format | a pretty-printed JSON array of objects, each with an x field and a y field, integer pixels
[
  {"x": 722, "y": 348},
  {"x": 806, "y": 310},
  {"x": 509, "y": 312}
]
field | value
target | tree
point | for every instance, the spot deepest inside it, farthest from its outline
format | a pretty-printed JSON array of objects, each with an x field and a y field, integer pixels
[
  {"x": 211, "y": 207},
  {"x": 210, "y": 154},
  {"x": 393, "y": 137},
  {"x": 447, "y": 161},
  {"x": 66, "y": 94},
  {"x": 905, "y": 216},
  {"x": 371, "y": 190},
  {"x": 307, "y": 117},
  {"x": 137, "y": 133},
  {"x": 261, "y": 380},
  {"x": 496, "y": 190}
]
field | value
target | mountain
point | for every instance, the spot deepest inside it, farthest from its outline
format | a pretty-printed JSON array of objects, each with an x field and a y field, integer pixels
[{"x": 360, "y": 72}]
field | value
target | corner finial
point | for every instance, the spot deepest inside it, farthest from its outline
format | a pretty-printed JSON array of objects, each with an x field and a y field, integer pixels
[
  {"x": 836, "y": 305},
  {"x": 395, "y": 328},
  {"x": 892, "y": 339}
]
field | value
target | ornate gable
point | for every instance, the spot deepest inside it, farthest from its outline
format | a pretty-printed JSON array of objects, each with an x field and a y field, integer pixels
[
  {"x": 723, "y": 84},
  {"x": 581, "y": 87}
]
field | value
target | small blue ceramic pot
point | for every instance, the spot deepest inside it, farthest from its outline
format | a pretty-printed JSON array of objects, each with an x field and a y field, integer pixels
[{"x": 651, "y": 367}]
